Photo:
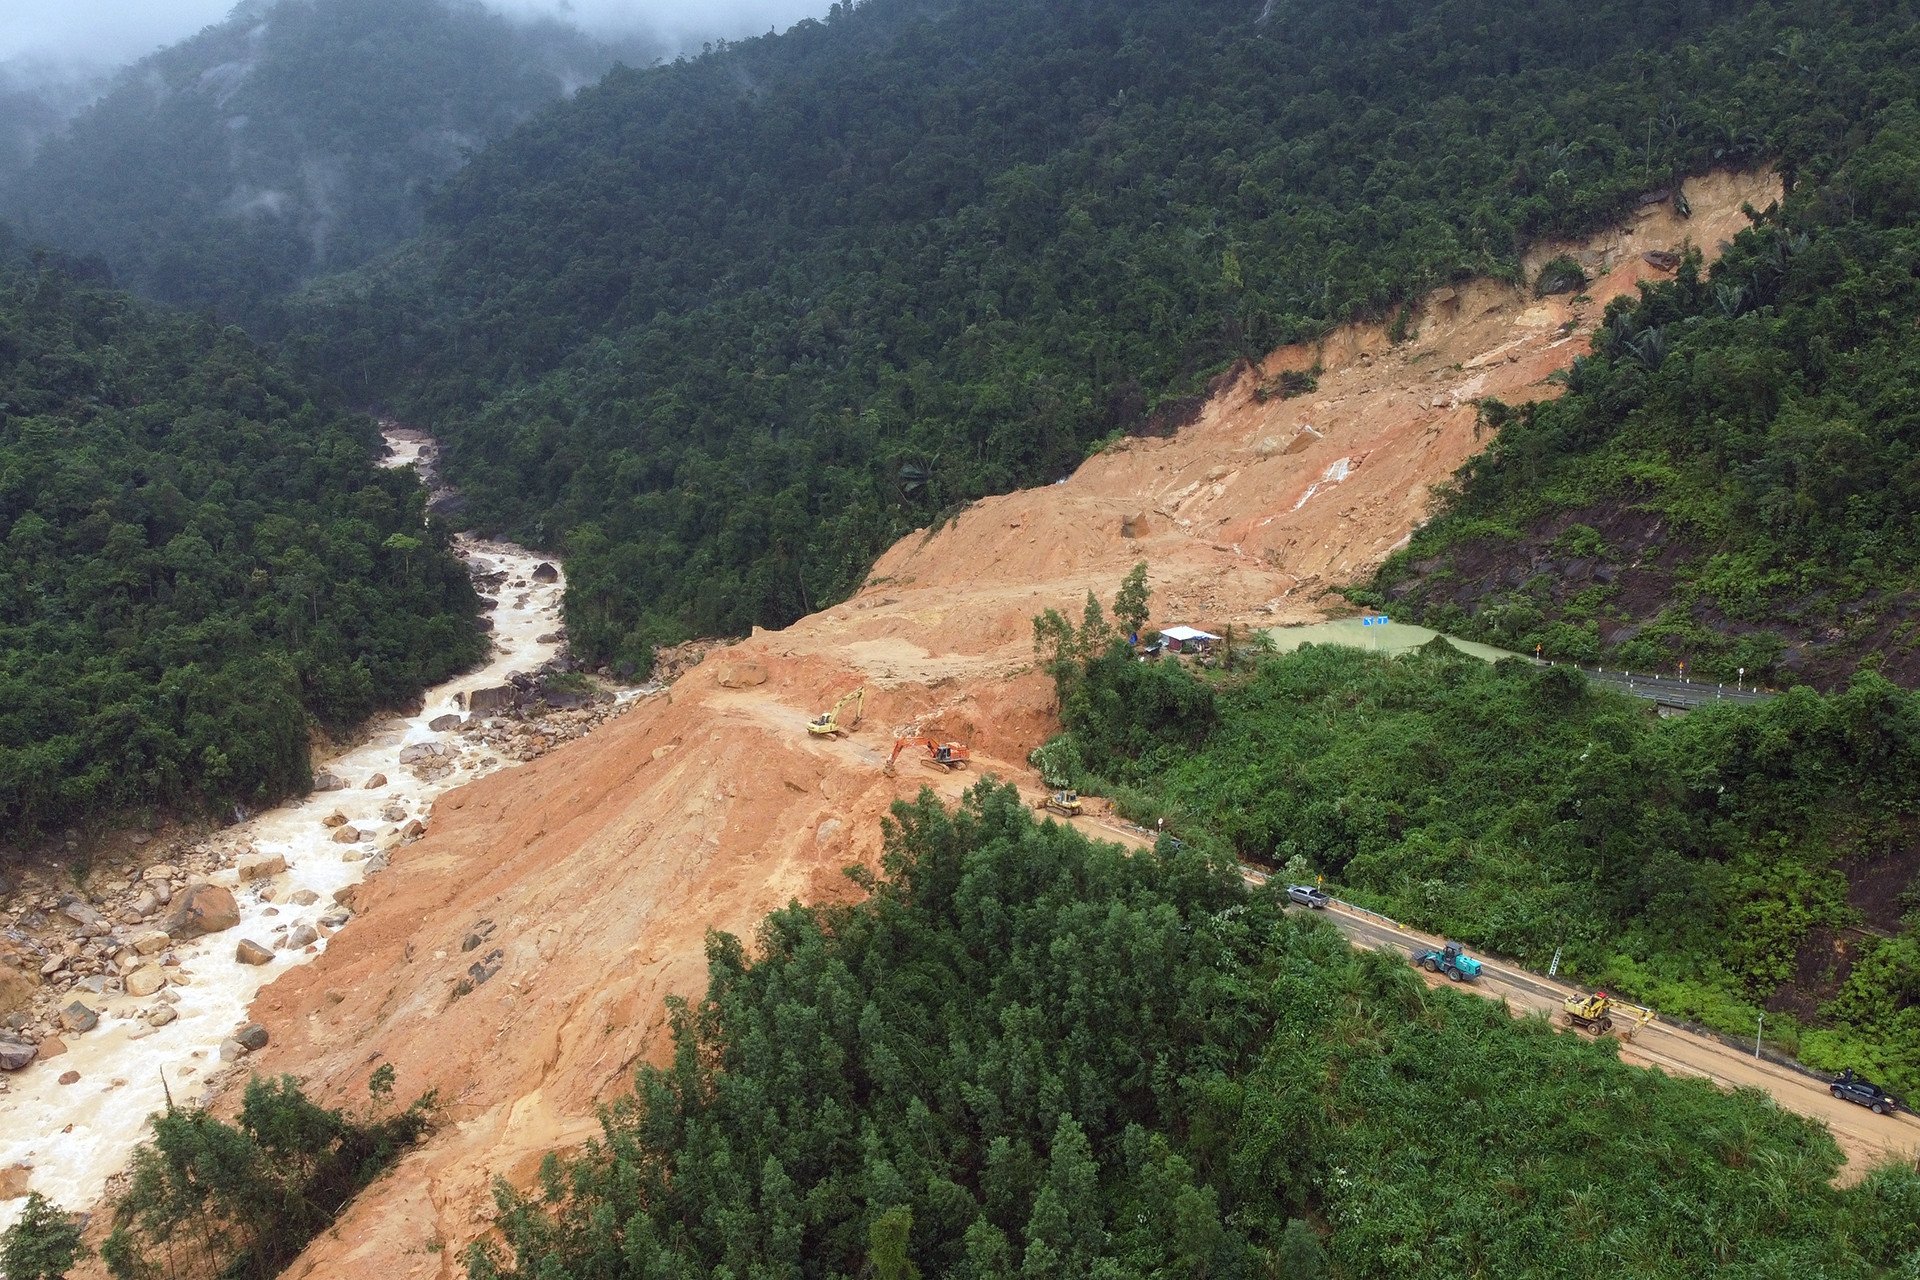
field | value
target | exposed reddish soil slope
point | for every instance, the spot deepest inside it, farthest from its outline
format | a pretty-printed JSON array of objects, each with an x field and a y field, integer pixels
[{"x": 596, "y": 871}]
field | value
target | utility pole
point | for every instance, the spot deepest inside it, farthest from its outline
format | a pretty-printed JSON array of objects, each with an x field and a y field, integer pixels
[{"x": 1756, "y": 1033}]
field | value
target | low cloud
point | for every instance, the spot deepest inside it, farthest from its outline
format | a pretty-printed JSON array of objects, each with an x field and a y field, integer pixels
[
  {"x": 679, "y": 22},
  {"x": 101, "y": 32},
  {"x": 110, "y": 33}
]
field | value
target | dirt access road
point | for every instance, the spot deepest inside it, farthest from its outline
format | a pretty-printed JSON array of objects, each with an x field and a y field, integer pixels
[{"x": 1866, "y": 1139}]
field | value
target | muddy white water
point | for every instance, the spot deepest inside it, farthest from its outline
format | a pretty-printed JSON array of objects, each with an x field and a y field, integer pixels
[{"x": 74, "y": 1137}]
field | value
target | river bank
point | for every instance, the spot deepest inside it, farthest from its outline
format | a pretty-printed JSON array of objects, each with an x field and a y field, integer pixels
[{"x": 146, "y": 973}]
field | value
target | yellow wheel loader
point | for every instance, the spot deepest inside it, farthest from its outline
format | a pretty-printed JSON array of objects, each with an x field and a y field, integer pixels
[{"x": 1601, "y": 1013}]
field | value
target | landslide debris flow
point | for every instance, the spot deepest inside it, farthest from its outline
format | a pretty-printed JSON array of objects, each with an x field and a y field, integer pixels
[{"x": 518, "y": 958}]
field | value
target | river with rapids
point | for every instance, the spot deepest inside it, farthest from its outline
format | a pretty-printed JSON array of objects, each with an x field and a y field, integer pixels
[{"x": 75, "y": 1137}]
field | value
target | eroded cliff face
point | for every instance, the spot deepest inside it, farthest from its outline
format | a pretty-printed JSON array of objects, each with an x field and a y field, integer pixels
[{"x": 517, "y": 959}]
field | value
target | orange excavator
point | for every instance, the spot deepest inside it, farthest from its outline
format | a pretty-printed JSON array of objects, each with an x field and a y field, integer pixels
[{"x": 944, "y": 755}]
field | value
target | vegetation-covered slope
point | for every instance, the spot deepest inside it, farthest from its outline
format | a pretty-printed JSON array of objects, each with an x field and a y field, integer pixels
[
  {"x": 728, "y": 326},
  {"x": 196, "y": 556},
  {"x": 1708, "y": 864},
  {"x": 1733, "y": 477},
  {"x": 296, "y": 137},
  {"x": 1026, "y": 1054}
]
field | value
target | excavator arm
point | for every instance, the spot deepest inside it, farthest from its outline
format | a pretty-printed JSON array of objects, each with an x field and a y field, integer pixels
[
  {"x": 843, "y": 717},
  {"x": 945, "y": 755}
]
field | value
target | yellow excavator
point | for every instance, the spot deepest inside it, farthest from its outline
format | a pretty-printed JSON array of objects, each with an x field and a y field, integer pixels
[
  {"x": 1601, "y": 1013},
  {"x": 842, "y": 718}
]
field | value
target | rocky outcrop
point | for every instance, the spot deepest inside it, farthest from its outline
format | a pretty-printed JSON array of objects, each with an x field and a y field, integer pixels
[
  {"x": 487, "y": 701},
  {"x": 740, "y": 674},
  {"x": 203, "y": 909},
  {"x": 260, "y": 867},
  {"x": 544, "y": 572},
  {"x": 16, "y": 1054},
  {"x": 146, "y": 980},
  {"x": 81, "y": 913},
  {"x": 16, "y": 989}
]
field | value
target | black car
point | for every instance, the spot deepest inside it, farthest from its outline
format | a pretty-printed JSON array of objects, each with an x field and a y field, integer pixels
[
  {"x": 1308, "y": 896},
  {"x": 1871, "y": 1096}
]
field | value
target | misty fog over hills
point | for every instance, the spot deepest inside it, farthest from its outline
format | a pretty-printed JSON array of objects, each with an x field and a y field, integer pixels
[{"x": 294, "y": 137}]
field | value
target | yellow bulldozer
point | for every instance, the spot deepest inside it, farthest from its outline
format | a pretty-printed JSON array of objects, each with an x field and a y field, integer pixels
[
  {"x": 1061, "y": 802},
  {"x": 842, "y": 718},
  {"x": 1601, "y": 1013}
]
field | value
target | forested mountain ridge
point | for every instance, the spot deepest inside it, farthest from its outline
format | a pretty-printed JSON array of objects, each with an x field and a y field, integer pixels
[
  {"x": 294, "y": 138},
  {"x": 723, "y": 328},
  {"x": 1732, "y": 479},
  {"x": 199, "y": 558}
]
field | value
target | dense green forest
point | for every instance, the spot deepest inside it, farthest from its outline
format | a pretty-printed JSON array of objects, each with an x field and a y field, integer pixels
[
  {"x": 724, "y": 327},
  {"x": 1732, "y": 478},
  {"x": 1707, "y": 864},
  {"x": 197, "y": 559},
  {"x": 1025, "y": 1054},
  {"x": 295, "y": 138}
]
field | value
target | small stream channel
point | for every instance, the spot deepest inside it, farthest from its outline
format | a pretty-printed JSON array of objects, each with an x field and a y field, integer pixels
[{"x": 75, "y": 1137}]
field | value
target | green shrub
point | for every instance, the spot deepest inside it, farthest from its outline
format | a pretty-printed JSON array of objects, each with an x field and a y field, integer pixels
[
  {"x": 42, "y": 1244},
  {"x": 1560, "y": 275},
  {"x": 244, "y": 1199}
]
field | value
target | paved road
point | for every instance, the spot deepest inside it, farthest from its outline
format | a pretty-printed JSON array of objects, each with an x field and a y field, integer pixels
[
  {"x": 1669, "y": 692},
  {"x": 1866, "y": 1138}
]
